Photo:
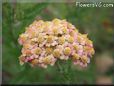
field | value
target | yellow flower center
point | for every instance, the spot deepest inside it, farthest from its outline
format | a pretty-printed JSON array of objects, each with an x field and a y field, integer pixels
[
  {"x": 76, "y": 30},
  {"x": 89, "y": 49},
  {"x": 23, "y": 37},
  {"x": 50, "y": 39},
  {"x": 84, "y": 36},
  {"x": 64, "y": 30},
  {"x": 49, "y": 50},
  {"x": 56, "y": 21},
  {"x": 33, "y": 34},
  {"x": 75, "y": 56},
  {"x": 46, "y": 24},
  {"x": 79, "y": 39},
  {"x": 26, "y": 46},
  {"x": 40, "y": 39},
  {"x": 47, "y": 60},
  {"x": 61, "y": 40},
  {"x": 84, "y": 59},
  {"x": 34, "y": 61},
  {"x": 92, "y": 51},
  {"x": 88, "y": 41},
  {"x": 75, "y": 47},
  {"x": 71, "y": 33},
  {"x": 55, "y": 31},
  {"x": 67, "y": 51},
  {"x": 38, "y": 51},
  {"x": 56, "y": 53},
  {"x": 70, "y": 39}
]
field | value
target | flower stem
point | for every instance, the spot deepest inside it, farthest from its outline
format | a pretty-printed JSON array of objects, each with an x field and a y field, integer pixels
[{"x": 63, "y": 72}]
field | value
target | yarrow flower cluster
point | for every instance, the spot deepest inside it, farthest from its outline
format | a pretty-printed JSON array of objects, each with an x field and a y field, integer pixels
[{"x": 44, "y": 42}]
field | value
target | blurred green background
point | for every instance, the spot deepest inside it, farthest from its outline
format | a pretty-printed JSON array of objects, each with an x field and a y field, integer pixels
[{"x": 97, "y": 22}]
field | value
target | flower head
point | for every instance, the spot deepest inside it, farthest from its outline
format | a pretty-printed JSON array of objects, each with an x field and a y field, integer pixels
[{"x": 44, "y": 42}]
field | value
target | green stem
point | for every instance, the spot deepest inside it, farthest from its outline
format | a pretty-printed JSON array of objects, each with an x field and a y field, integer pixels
[{"x": 62, "y": 72}]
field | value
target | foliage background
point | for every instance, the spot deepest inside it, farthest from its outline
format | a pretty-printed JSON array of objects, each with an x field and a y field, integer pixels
[{"x": 97, "y": 22}]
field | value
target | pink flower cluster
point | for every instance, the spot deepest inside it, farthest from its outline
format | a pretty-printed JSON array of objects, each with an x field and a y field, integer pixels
[{"x": 44, "y": 42}]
